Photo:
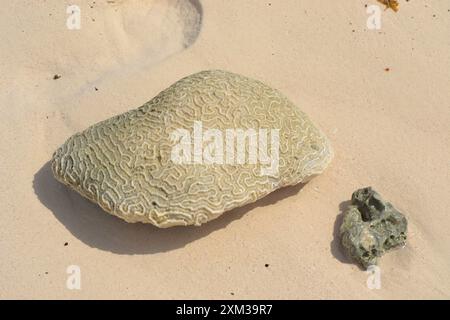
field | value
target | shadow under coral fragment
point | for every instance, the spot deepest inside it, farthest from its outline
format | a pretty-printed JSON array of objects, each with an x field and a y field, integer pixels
[
  {"x": 336, "y": 248},
  {"x": 98, "y": 229}
]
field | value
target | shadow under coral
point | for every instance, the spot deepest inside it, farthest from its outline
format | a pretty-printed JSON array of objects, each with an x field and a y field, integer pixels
[
  {"x": 98, "y": 229},
  {"x": 336, "y": 247}
]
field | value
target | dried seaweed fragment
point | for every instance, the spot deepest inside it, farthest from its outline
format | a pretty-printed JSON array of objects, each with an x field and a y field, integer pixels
[{"x": 392, "y": 4}]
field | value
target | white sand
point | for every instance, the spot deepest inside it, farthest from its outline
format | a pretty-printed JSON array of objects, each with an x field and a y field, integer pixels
[{"x": 389, "y": 130}]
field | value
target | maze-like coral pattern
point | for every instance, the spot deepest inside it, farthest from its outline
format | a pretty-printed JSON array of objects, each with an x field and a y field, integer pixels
[{"x": 124, "y": 163}]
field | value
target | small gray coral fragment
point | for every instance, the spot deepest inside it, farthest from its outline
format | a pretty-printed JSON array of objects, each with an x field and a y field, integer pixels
[
  {"x": 126, "y": 165},
  {"x": 371, "y": 227}
]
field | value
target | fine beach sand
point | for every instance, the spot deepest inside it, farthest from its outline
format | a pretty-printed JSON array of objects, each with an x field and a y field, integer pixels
[{"x": 381, "y": 96}]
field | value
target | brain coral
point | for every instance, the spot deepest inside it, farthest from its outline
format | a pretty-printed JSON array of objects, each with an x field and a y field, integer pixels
[{"x": 126, "y": 164}]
